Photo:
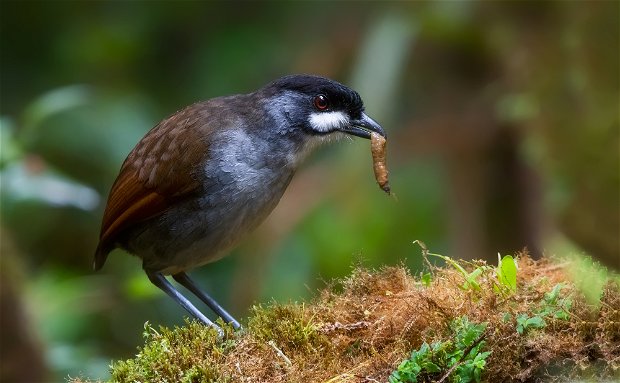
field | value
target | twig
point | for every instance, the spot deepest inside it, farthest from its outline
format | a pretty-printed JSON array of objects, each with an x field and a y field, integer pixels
[
  {"x": 367, "y": 378},
  {"x": 424, "y": 254},
  {"x": 347, "y": 374},
  {"x": 328, "y": 327},
  {"x": 280, "y": 353}
]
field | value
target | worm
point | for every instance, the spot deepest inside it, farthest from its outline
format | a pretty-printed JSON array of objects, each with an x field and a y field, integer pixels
[{"x": 377, "y": 148}]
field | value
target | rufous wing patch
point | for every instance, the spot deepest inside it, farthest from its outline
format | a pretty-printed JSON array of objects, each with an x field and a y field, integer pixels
[{"x": 159, "y": 171}]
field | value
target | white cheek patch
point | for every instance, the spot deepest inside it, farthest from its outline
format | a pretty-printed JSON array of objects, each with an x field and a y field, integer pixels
[{"x": 328, "y": 121}]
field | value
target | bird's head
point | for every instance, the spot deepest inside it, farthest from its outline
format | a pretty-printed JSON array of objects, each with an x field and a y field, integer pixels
[{"x": 317, "y": 107}]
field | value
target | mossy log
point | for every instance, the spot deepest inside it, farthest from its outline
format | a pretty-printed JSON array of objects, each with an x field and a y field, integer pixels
[{"x": 361, "y": 328}]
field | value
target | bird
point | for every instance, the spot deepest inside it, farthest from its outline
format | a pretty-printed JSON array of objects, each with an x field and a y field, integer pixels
[{"x": 202, "y": 179}]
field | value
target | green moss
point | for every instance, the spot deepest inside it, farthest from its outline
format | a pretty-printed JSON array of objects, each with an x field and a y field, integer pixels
[
  {"x": 290, "y": 327},
  {"x": 184, "y": 354}
]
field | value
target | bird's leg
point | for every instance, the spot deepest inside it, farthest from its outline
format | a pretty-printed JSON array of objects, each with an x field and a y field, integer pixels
[
  {"x": 185, "y": 280},
  {"x": 160, "y": 281}
]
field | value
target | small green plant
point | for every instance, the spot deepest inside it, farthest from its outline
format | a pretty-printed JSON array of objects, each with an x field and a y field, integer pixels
[
  {"x": 553, "y": 306},
  {"x": 457, "y": 360},
  {"x": 471, "y": 279},
  {"x": 525, "y": 322},
  {"x": 426, "y": 279},
  {"x": 506, "y": 272}
]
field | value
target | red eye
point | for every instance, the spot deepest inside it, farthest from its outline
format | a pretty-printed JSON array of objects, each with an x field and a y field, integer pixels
[{"x": 321, "y": 102}]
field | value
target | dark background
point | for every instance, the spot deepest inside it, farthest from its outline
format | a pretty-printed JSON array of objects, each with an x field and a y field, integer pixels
[{"x": 503, "y": 125}]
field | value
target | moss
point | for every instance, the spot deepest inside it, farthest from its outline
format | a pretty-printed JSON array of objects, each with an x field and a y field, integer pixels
[
  {"x": 184, "y": 354},
  {"x": 362, "y": 328},
  {"x": 289, "y": 326}
]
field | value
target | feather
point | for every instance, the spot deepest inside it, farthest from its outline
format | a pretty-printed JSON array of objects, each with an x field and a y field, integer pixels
[{"x": 158, "y": 172}]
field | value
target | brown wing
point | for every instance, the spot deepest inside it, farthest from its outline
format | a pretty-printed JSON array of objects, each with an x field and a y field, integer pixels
[{"x": 159, "y": 171}]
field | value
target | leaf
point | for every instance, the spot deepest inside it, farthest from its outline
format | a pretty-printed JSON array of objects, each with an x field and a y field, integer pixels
[
  {"x": 507, "y": 273},
  {"x": 442, "y": 355},
  {"x": 10, "y": 147},
  {"x": 432, "y": 367},
  {"x": 426, "y": 279},
  {"x": 521, "y": 320},
  {"x": 554, "y": 305},
  {"x": 47, "y": 187},
  {"x": 552, "y": 297},
  {"x": 471, "y": 279},
  {"x": 535, "y": 322}
]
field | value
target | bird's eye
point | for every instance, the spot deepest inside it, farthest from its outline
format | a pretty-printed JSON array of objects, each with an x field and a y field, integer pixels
[{"x": 321, "y": 102}]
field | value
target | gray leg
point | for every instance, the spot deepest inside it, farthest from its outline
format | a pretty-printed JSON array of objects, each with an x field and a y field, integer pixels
[
  {"x": 185, "y": 280},
  {"x": 160, "y": 281}
]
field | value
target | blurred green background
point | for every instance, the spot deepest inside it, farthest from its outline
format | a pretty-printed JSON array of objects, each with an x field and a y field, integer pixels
[{"x": 503, "y": 123}]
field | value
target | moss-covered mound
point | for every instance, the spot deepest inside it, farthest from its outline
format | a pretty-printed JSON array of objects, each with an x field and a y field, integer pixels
[{"x": 366, "y": 327}]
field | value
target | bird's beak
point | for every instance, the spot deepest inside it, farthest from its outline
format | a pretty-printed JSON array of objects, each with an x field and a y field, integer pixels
[{"x": 363, "y": 126}]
